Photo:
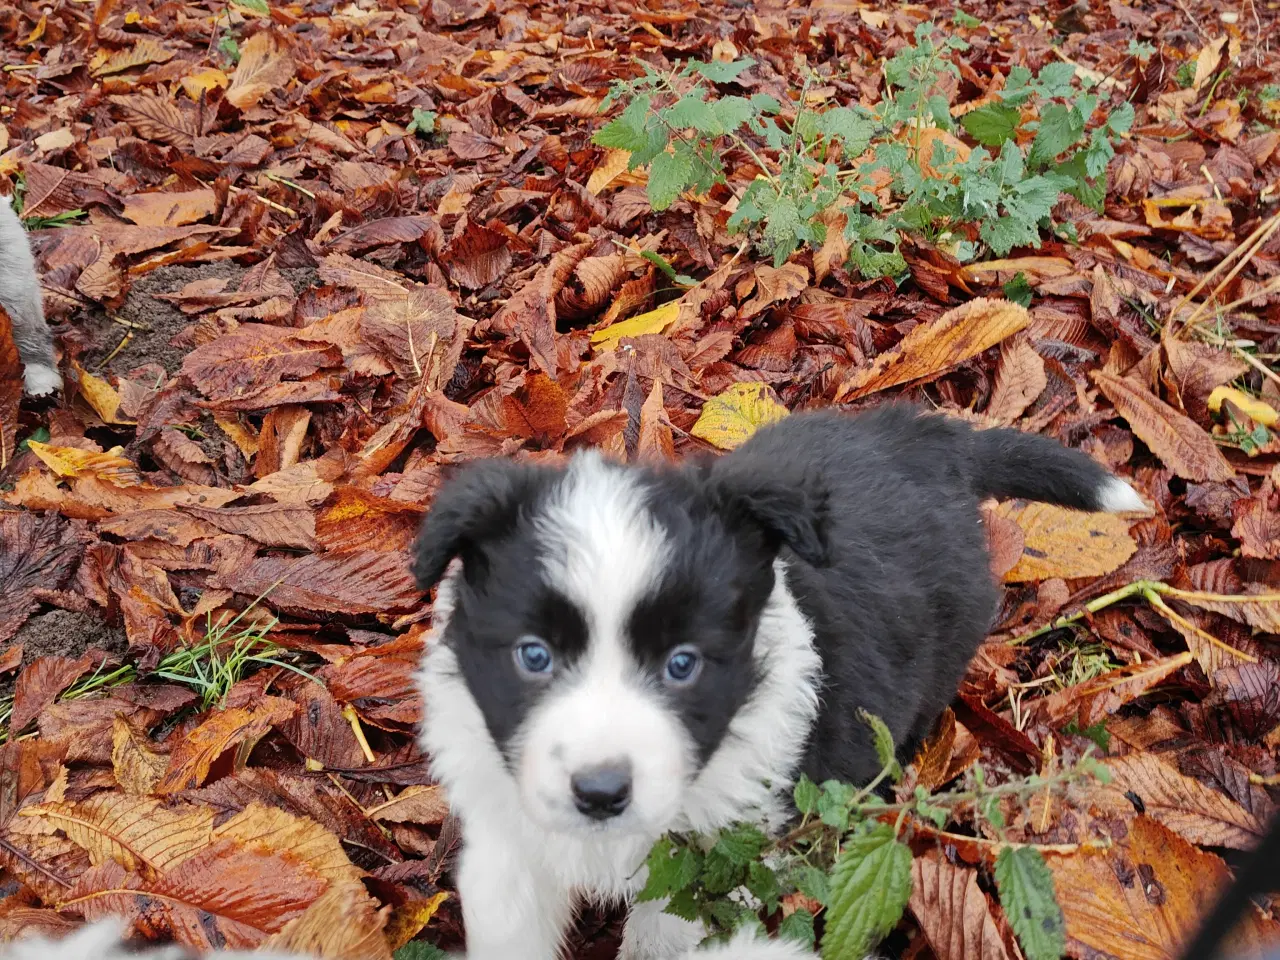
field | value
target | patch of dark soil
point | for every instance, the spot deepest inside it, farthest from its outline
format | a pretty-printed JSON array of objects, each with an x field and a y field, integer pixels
[
  {"x": 66, "y": 633},
  {"x": 63, "y": 633},
  {"x": 159, "y": 321}
]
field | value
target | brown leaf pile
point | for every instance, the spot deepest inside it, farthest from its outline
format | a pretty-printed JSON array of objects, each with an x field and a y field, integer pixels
[{"x": 281, "y": 315}]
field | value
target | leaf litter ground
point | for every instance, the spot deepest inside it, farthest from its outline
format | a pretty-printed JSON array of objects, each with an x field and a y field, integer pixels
[{"x": 282, "y": 313}]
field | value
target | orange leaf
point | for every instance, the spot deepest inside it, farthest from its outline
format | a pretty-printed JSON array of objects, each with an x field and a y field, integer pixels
[
  {"x": 935, "y": 347},
  {"x": 265, "y": 63},
  {"x": 1177, "y": 440},
  {"x": 140, "y": 834},
  {"x": 1058, "y": 542},
  {"x": 194, "y": 755},
  {"x": 1144, "y": 899},
  {"x": 954, "y": 913}
]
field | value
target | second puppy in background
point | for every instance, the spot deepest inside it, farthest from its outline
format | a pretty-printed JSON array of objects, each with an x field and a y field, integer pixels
[{"x": 20, "y": 298}]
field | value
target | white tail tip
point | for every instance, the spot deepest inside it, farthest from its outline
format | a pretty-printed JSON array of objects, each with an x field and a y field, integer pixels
[{"x": 1116, "y": 496}]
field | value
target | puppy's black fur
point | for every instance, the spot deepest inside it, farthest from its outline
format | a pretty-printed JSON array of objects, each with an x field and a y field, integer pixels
[{"x": 876, "y": 516}]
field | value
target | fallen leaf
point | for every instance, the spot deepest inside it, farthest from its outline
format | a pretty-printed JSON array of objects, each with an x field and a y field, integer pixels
[
  {"x": 194, "y": 755},
  {"x": 359, "y": 581},
  {"x": 1058, "y": 542},
  {"x": 1188, "y": 807},
  {"x": 728, "y": 420},
  {"x": 1185, "y": 449},
  {"x": 1143, "y": 900},
  {"x": 933, "y": 348},
  {"x": 953, "y": 912},
  {"x": 1020, "y": 379},
  {"x": 265, "y": 63}
]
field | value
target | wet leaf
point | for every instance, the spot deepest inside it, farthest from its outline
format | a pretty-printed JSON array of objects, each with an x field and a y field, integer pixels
[
  {"x": 1186, "y": 449},
  {"x": 1058, "y": 542},
  {"x": 727, "y": 421},
  {"x": 935, "y": 347}
]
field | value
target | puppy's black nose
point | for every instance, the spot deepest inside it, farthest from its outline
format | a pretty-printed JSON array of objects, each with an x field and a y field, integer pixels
[{"x": 604, "y": 791}]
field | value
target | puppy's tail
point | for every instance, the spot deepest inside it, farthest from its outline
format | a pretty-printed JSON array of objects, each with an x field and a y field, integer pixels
[{"x": 1011, "y": 464}]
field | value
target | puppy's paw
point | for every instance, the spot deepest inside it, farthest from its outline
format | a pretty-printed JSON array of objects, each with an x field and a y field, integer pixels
[{"x": 41, "y": 380}]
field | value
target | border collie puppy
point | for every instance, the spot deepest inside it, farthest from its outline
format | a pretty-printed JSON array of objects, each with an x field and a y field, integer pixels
[
  {"x": 20, "y": 297},
  {"x": 619, "y": 651}
]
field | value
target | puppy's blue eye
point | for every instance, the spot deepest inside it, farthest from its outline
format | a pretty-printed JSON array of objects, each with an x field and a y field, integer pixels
[
  {"x": 533, "y": 657},
  {"x": 682, "y": 666}
]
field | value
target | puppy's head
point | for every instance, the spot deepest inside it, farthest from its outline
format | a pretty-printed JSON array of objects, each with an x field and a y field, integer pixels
[{"x": 603, "y": 620}]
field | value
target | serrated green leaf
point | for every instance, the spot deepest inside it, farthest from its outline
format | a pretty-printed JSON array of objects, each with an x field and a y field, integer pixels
[
  {"x": 1121, "y": 119},
  {"x": 1030, "y": 904},
  {"x": 992, "y": 124},
  {"x": 720, "y": 72},
  {"x": 1055, "y": 80},
  {"x": 257, "y": 6},
  {"x": 721, "y": 873},
  {"x": 781, "y": 228},
  {"x": 885, "y": 751},
  {"x": 851, "y": 127},
  {"x": 870, "y": 886},
  {"x": 741, "y": 845},
  {"x": 1060, "y": 128},
  {"x": 1004, "y": 233},
  {"x": 1018, "y": 290},
  {"x": 683, "y": 904},
  {"x": 962, "y": 19},
  {"x": 798, "y": 927},
  {"x": 763, "y": 884},
  {"x": 693, "y": 111},
  {"x": 733, "y": 112},
  {"x": 806, "y": 795},
  {"x": 670, "y": 870},
  {"x": 627, "y": 130},
  {"x": 813, "y": 882},
  {"x": 419, "y": 950},
  {"x": 669, "y": 174},
  {"x": 765, "y": 104},
  {"x": 833, "y": 804}
]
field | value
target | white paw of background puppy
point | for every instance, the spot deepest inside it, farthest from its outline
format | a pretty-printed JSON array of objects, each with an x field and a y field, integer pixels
[{"x": 41, "y": 380}]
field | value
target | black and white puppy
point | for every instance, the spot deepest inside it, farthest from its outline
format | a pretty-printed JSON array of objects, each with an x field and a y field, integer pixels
[{"x": 623, "y": 650}]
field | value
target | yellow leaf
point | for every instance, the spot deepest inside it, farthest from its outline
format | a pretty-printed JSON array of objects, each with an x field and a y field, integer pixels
[
  {"x": 102, "y": 396},
  {"x": 727, "y": 421},
  {"x": 204, "y": 81},
  {"x": 611, "y": 167},
  {"x": 1058, "y": 542},
  {"x": 137, "y": 767},
  {"x": 655, "y": 321},
  {"x": 146, "y": 50},
  {"x": 935, "y": 347},
  {"x": 74, "y": 462},
  {"x": 1256, "y": 410},
  {"x": 408, "y": 919}
]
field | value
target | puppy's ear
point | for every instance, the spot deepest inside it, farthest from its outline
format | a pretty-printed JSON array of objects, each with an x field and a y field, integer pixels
[
  {"x": 781, "y": 501},
  {"x": 479, "y": 501}
]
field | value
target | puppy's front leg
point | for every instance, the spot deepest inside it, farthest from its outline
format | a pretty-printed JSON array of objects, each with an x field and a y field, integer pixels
[
  {"x": 512, "y": 909},
  {"x": 651, "y": 934}
]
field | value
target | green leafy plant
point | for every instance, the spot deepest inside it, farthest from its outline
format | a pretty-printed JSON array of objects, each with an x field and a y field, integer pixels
[
  {"x": 211, "y": 667},
  {"x": 423, "y": 123},
  {"x": 229, "y": 47},
  {"x": 847, "y": 857},
  {"x": 1035, "y": 139}
]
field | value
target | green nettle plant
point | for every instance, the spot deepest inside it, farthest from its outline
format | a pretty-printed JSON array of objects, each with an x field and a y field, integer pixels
[
  {"x": 1033, "y": 137},
  {"x": 848, "y": 858}
]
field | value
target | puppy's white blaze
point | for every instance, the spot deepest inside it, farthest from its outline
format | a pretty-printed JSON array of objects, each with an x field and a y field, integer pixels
[
  {"x": 606, "y": 715},
  {"x": 1116, "y": 496},
  {"x": 606, "y": 550}
]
